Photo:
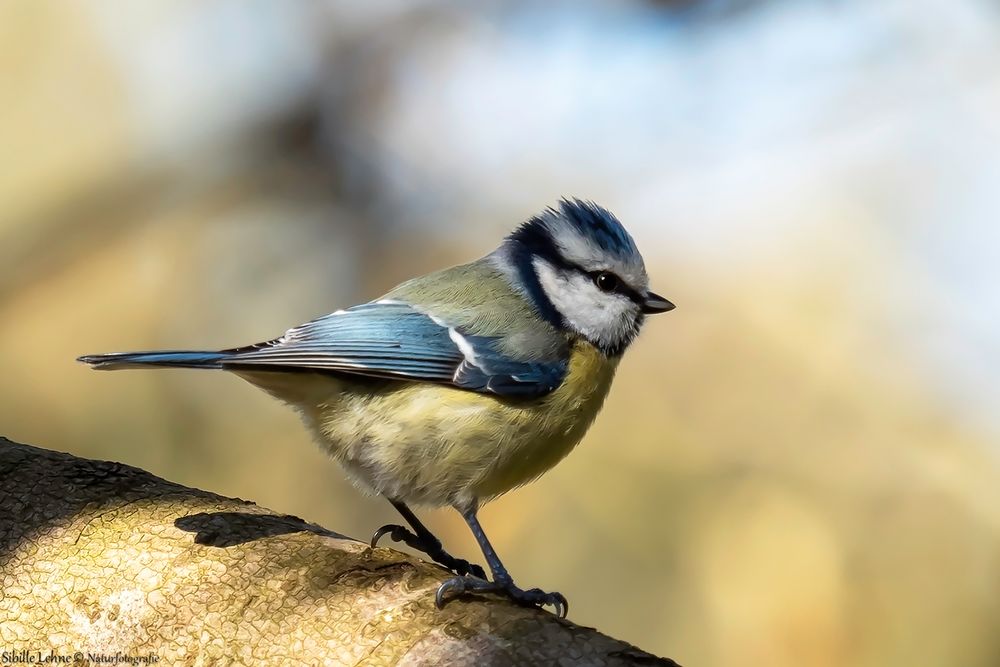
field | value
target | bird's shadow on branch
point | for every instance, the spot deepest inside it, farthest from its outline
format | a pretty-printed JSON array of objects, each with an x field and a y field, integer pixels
[
  {"x": 329, "y": 567},
  {"x": 227, "y": 529}
]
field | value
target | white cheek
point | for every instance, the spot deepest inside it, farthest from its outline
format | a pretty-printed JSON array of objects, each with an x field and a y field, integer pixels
[{"x": 601, "y": 317}]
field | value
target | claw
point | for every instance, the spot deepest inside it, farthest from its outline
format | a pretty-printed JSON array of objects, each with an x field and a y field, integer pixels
[
  {"x": 446, "y": 587},
  {"x": 539, "y": 597},
  {"x": 534, "y": 597},
  {"x": 561, "y": 604},
  {"x": 390, "y": 528}
]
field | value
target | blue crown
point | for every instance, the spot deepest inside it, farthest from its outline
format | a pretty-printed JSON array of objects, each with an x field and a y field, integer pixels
[
  {"x": 590, "y": 220},
  {"x": 599, "y": 224}
]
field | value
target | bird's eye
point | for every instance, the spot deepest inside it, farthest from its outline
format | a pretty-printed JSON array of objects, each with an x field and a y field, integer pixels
[{"x": 606, "y": 282}]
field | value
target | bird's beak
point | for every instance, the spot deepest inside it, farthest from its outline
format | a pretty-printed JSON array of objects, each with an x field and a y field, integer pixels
[{"x": 654, "y": 303}]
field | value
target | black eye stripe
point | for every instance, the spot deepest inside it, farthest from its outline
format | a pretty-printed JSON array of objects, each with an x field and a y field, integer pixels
[
  {"x": 621, "y": 288},
  {"x": 544, "y": 247}
]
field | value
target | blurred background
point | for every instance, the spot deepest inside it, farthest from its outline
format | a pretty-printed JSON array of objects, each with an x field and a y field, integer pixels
[{"x": 798, "y": 466}]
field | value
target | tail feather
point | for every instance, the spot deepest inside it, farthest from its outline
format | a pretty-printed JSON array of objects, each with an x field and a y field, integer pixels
[{"x": 171, "y": 359}]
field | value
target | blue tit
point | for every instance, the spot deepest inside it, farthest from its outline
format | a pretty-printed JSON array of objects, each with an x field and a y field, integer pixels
[{"x": 460, "y": 385}]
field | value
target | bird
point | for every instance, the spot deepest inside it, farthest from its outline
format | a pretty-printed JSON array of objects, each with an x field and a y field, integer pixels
[{"x": 459, "y": 385}]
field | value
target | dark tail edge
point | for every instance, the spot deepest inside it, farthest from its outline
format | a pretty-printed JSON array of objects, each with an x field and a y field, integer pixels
[{"x": 162, "y": 358}]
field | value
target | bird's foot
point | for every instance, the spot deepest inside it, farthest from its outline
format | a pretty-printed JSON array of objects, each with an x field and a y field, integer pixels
[
  {"x": 534, "y": 597},
  {"x": 430, "y": 546}
]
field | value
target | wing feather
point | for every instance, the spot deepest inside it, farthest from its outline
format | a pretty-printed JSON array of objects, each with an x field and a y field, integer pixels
[{"x": 394, "y": 340}]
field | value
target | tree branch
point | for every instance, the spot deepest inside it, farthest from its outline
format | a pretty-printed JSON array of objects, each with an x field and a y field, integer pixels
[{"x": 105, "y": 558}]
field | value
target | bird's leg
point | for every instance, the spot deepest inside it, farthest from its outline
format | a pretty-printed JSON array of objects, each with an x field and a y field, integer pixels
[
  {"x": 502, "y": 582},
  {"x": 423, "y": 540}
]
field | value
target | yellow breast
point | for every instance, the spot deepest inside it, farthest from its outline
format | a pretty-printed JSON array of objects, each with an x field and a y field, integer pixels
[{"x": 433, "y": 444}]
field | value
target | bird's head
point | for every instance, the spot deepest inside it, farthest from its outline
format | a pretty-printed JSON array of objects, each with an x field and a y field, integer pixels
[{"x": 583, "y": 273}]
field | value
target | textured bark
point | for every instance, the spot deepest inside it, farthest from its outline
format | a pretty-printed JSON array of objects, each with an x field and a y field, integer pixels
[{"x": 101, "y": 557}]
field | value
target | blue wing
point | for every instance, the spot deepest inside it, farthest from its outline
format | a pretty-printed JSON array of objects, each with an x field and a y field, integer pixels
[{"x": 391, "y": 339}]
